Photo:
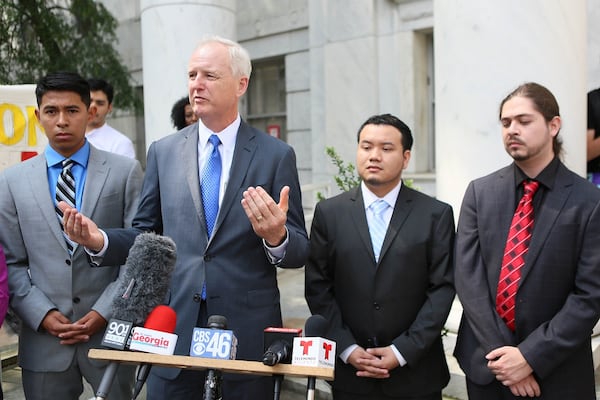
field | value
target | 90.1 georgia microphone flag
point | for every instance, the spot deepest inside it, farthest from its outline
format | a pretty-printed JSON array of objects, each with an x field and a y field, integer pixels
[{"x": 157, "y": 335}]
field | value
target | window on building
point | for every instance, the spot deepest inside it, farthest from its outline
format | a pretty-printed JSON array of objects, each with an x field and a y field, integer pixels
[{"x": 266, "y": 105}]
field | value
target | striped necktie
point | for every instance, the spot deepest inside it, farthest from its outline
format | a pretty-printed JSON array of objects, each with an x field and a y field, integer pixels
[
  {"x": 378, "y": 226},
  {"x": 65, "y": 191}
]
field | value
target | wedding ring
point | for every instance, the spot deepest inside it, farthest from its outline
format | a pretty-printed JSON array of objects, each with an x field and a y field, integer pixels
[{"x": 259, "y": 217}]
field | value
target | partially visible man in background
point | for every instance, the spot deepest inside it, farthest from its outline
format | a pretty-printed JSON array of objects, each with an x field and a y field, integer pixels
[
  {"x": 98, "y": 132},
  {"x": 593, "y": 136}
]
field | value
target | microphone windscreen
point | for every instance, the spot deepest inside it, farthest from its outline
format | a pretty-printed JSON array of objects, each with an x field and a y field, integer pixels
[
  {"x": 216, "y": 322},
  {"x": 315, "y": 326},
  {"x": 162, "y": 318},
  {"x": 146, "y": 280}
]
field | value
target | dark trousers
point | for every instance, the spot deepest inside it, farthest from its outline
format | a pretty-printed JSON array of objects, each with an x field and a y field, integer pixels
[
  {"x": 378, "y": 394},
  {"x": 189, "y": 385}
]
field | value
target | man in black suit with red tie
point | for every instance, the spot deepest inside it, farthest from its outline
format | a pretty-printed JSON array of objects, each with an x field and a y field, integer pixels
[{"x": 529, "y": 280}]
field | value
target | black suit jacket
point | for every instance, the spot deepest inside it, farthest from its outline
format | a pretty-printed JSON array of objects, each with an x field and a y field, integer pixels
[
  {"x": 404, "y": 299},
  {"x": 558, "y": 301}
]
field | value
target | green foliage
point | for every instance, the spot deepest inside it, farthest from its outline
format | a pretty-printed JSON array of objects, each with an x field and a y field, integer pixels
[
  {"x": 347, "y": 177},
  {"x": 41, "y": 36}
]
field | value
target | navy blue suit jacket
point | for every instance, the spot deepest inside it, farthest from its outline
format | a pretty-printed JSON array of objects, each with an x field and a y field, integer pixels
[{"x": 241, "y": 282}]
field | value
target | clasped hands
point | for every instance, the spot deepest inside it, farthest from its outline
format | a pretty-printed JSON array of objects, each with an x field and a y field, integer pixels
[
  {"x": 512, "y": 369},
  {"x": 56, "y": 324},
  {"x": 376, "y": 362}
]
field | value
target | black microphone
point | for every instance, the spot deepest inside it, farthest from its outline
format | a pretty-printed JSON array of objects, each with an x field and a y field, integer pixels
[
  {"x": 315, "y": 326},
  {"x": 144, "y": 285},
  {"x": 212, "y": 383},
  {"x": 278, "y": 344}
]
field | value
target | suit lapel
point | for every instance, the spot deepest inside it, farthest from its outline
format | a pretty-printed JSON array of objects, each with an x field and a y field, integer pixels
[
  {"x": 96, "y": 175},
  {"x": 243, "y": 154},
  {"x": 188, "y": 150},
  {"x": 404, "y": 204},
  {"x": 38, "y": 178},
  {"x": 503, "y": 199},
  {"x": 359, "y": 219},
  {"x": 552, "y": 205}
]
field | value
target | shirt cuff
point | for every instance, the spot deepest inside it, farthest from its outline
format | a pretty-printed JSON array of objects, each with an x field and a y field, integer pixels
[
  {"x": 97, "y": 257},
  {"x": 401, "y": 359},
  {"x": 276, "y": 254},
  {"x": 344, "y": 355}
]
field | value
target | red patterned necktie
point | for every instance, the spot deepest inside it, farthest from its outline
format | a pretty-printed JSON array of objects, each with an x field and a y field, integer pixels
[{"x": 517, "y": 245}]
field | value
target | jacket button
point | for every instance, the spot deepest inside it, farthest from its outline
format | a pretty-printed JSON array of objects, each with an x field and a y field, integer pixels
[
  {"x": 197, "y": 297},
  {"x": 76, "y": 300},
  {"x": 68, "y": 262},
  {"x": 376, "y": 306},
  {"x": 207, "y": 257}
]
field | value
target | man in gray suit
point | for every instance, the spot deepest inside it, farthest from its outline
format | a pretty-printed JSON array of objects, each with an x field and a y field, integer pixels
[
  {"x": 386, "y": 296},
  {"x": 531, "y": 293},
  {"x": 63, "y": 302},
  {"x": 225, "y": 266}
]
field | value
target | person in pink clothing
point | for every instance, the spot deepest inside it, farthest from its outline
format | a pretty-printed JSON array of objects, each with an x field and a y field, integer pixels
[{"x": 3, "y": 294}]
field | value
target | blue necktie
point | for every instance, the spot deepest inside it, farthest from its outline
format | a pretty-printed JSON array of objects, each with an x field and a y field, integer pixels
[
  {"x": 209, "y": 186},
  {"x": 65, "y": 191},
  {"x": 211, "y": 181},
  {"x": 378, "y": 226}
]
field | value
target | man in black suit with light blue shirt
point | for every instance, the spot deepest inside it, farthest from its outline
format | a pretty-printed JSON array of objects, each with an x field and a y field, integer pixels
[{"x": 380, "y": 271}]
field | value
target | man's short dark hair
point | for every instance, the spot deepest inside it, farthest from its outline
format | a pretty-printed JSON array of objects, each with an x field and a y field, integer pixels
[
  {"x": 63, "y": 82},
  {"x": 389, "y": 119},
  {"x": 100, "y": 84}
]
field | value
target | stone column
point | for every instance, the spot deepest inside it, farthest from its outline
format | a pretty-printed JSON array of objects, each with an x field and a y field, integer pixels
[
  {"x": 171, "y": 29},
  {"x": 485, "y": 49}
]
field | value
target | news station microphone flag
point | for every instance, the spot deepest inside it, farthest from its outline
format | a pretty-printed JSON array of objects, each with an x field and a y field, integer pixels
[
  {"x": 155, "y": 337},
  {"x": 314, "y": 349},
  {"x": 144, "y": 286}
]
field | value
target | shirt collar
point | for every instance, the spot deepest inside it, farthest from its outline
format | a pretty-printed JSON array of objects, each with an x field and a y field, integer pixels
[
  {"x": 370, "y": 197},
  {"x": 81, "y": 156},
  {"x": 546, "y": 177},
  {"x": 227, "y": 135}
]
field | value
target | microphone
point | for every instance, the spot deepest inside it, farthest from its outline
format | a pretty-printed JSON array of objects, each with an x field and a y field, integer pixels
[
  {"x": 155, "y": 337},
  {"x": 212, "y": 384},
  {"x": 314, "y": 349},
  {"x": 144, "y": 285},
  {"x": 277, "y": 343}
]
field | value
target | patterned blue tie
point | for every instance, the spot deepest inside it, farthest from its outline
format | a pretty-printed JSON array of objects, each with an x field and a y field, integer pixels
[
  {"x": 209, "y": 186},
  {"x": 211, "y": 181},
  {"x": 378, "y": 226}
]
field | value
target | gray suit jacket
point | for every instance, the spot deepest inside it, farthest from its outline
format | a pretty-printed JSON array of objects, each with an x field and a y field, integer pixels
[
  {"x": 558, "y": 301},
  {"x": 42, "y": 276},
  {"x": 241, "y": 282}
]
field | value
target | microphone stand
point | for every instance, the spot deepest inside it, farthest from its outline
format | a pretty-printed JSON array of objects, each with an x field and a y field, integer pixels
[
  {"x": 310, "y": 388},
  {"x": 278, "y": 379},
  {"x": 212, "y": 385}
]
